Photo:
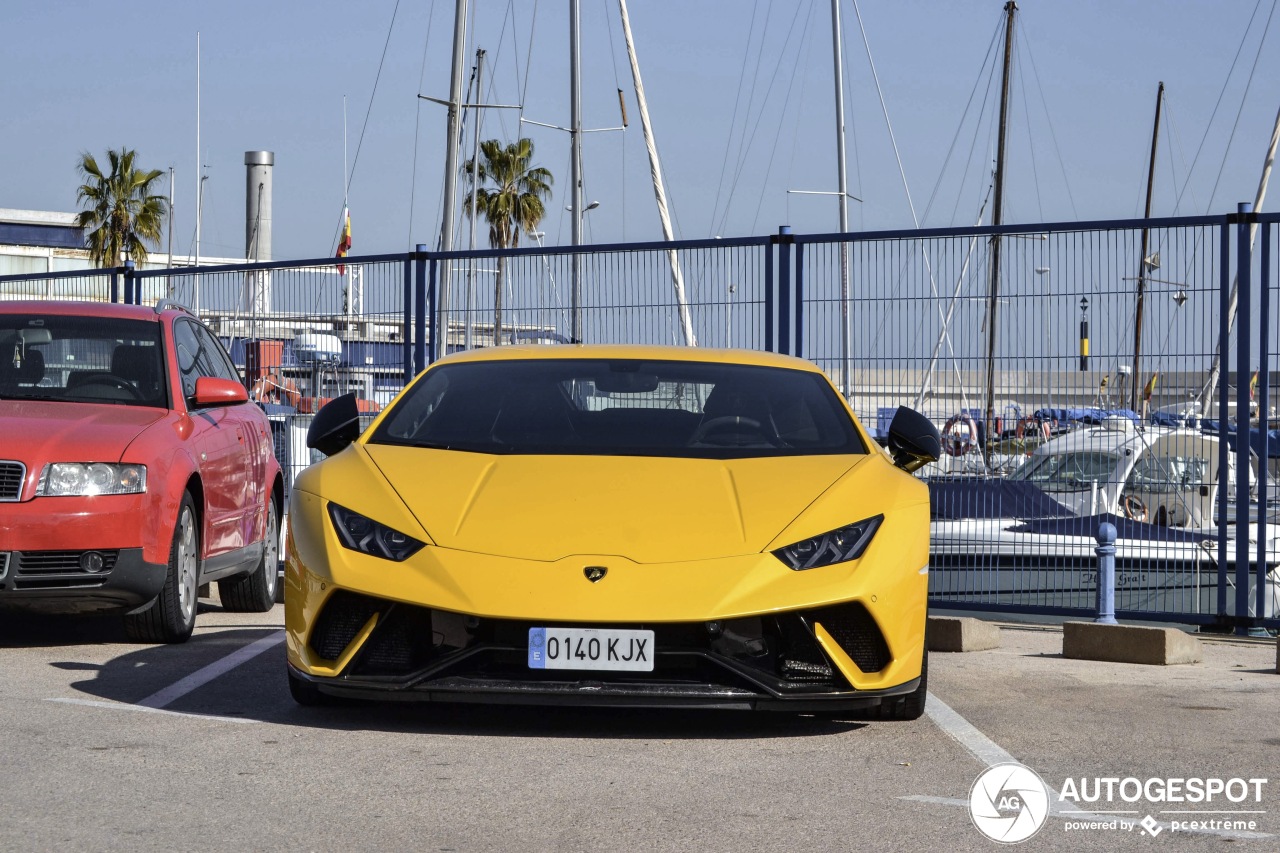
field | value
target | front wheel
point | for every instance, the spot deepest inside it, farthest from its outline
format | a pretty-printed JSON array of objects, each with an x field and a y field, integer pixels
[
  {"x": 911, "y": 706},
  {"x": 171, "y": 616},
  {"x": 256, "y": 591}
]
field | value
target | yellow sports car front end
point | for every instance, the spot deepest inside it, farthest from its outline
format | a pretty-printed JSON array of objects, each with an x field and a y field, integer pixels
[{"x": 611, "y": 526}]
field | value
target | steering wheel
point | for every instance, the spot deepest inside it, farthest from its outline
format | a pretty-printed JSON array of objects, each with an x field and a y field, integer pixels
[
  {"x": 113, "y": 381},
  {"x": 728, "y": 423},
  {"x": 1134, "y": 508}
]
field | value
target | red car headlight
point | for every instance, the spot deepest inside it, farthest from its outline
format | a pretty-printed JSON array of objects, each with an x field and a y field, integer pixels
[{"x": 83, "y": 479}]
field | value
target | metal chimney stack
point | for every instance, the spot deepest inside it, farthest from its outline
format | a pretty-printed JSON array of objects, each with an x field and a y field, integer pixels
[{"x": 257, "y": 226}]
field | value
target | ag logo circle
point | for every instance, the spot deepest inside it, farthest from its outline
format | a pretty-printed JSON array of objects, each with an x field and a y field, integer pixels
[{"x": 1008, "y": 803}]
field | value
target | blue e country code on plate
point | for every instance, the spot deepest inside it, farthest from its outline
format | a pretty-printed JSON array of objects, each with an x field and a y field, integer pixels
[{"x": 591, "y": 648}]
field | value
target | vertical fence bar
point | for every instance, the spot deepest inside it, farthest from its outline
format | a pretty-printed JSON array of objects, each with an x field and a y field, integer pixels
[
  {"x": 784, "y": 289},
  {"x": 1264, "y": 411},
  {"x": 424, "y": 303},
  {"x": 770, "y": 300},
  {"x": 130, "y": 284},
  {"x": 408, "y": 316},
  {"x": 115, "y": 286},
  {"x": 1244, "y": 269},
  {"x": 799, "y": 347},
  {"x": 1224, "y": 351}
]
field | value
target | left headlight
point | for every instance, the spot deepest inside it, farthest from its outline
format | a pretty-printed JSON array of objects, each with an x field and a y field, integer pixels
[
  {"x": 371, "y": 537},
  {"x": 64, "y": 479},
  {"x": 837, "y": 546}
]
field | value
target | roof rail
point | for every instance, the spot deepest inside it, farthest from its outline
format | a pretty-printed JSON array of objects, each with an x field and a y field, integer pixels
[{"x": 162, "y": 304}]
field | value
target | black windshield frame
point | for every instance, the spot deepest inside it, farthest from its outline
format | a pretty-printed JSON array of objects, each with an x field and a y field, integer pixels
[{"x": 622, "y": 407}]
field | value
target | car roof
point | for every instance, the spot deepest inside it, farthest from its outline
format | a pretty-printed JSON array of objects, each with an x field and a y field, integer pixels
[
  {"x": 628, "y": 351},
  {"x": 72, "y": 308}
]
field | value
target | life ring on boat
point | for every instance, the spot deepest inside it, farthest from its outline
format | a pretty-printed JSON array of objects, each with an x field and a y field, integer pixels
[
  {"x": 1029, "y": 426},
  {"x": 1134, "y": 508},
  {"x": 959, "y": 435},
  {"x": 274, "y": 388}
]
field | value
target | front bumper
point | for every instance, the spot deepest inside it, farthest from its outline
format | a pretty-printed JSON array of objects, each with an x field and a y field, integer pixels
[
  {"x": 63, "y": 581},
  {"x": 364, "y": 647}
]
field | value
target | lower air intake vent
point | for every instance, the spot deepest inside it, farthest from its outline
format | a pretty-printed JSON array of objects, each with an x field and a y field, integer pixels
[
  {"x": 344, "y": 614},
  {"x": 853, "y": 628}
]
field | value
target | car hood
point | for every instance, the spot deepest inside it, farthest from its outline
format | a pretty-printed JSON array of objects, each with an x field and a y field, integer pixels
[
  {"x": 36, "y": 432},
  {"x": 647, "y": 509}
]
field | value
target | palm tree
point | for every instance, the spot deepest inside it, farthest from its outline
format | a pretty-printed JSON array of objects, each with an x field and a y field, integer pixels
[
  {"x": 121, "y": 212},
  {"x": 513, "y": 203}
]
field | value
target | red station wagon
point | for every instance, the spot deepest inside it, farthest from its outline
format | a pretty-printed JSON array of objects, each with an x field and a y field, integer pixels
[{"x": 133, "y": 468}]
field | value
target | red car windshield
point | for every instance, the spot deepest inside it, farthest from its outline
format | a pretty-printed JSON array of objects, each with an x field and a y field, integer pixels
[{"x": 81, "y": 360}]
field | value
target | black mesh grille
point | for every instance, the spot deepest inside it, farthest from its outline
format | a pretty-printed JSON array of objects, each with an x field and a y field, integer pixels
[
  {"x": 852, "y": 627},
  {"x": 11, "y": 476},
  {"x": 401, "y": 643},
  {"x": 344, "y": 614},
  {"x": 58, "y": 569}
]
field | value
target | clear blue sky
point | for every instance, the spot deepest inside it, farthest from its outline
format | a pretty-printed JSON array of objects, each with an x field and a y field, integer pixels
[{"x": 740, "y": 93}]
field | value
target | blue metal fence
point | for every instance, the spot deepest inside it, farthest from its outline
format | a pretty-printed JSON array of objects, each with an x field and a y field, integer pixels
[{"x": 1000, "y": 359}]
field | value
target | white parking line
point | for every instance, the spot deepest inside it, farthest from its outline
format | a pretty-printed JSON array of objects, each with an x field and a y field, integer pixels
[
  {"x": 991, "y": 753},
  {"x": 156, "y": 702},
  {"x": 124, "y": 706},
  {"x": 203, "y": 676}
]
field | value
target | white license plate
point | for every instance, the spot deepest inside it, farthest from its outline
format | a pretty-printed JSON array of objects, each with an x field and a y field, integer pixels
[{"x": 591, "y": 648}]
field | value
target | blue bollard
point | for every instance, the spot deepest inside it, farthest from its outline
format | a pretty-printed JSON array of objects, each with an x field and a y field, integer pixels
[{"x": 1106, "y": 551}]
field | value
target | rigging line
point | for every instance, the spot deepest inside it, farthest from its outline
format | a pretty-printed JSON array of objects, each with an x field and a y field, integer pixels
[
  {"x": 777, "y": 134},
  {"x": 759, "y": 116},
  {"x": 368, "y": 112},
  {"x": 1015, "y": 79},
  {"x": 528, "y": 61},
  {"x": 733, "y": 121},
  {"x": 417, "y": 121},
  {"x": 1221, "y": 95},
  {"x": 1243, "y": 97},
  {"x": 977, "y": 128},
  {"x": 491, "y": 95},
  {"x": 1053, "y": 134},
  {"x": 748, "y": 136}
]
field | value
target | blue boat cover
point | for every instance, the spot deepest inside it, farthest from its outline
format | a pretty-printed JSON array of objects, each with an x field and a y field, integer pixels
[
  {"x": 990, "y": 498},
  {"x": 1126, "y": 528},
  {"x": 1085, "y": 416}
]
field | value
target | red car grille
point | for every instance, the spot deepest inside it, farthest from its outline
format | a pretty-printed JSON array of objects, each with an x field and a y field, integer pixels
[
  {"x": 11, "y": 476},
  {"x": 58, "y": 569}
]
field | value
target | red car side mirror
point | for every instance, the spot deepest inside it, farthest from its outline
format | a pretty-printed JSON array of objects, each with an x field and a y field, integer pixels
[{"x": 213, "y": 391}]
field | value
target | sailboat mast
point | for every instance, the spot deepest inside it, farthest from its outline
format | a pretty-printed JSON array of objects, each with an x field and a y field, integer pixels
[
  {"x": 997, "y": 217},
  {"x": 1142, "y": 258},
  {"x": 575, "y": 161},
  {"x": 659, "y": 189},
  {"x": 440, "y": 334},
  {"x": 838, "y": 53}
]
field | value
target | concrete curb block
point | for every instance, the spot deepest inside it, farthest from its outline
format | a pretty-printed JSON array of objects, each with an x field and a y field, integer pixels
[
  {"x": 960, "y": 634},
  {"x": 1129, "y": 644}
]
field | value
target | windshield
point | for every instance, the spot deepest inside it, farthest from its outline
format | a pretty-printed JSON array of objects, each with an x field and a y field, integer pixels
[
  {"x": 622, "y": 407},
  {"x": 81, "y": 360},
  {"x": 1068, "y": 472}
]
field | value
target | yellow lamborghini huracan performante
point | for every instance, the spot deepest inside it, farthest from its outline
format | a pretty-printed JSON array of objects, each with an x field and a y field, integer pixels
[{"x": 609, "y": 525}]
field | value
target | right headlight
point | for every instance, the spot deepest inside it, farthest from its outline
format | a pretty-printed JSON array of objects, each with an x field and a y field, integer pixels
[
  {"x": 83, "y": 479},
  {"x": 367, "y": 536},
  {"x": 836, "y": 546}
]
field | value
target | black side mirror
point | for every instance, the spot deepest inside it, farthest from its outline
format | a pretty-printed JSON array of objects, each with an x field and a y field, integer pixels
[
  {"x": 335, "y": 426},
  {"x": 914, "y": 441}
]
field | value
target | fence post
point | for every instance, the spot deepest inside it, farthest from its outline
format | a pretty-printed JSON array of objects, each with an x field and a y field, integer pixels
[
  {"x": 421, "y": 309},
  {"x": 1263, "y": 596},
  {"x": 1244, "y": 269},
  {"x": 130, "y": 283},
  {"x": 799, "y": 301},
  {"x": 784, "y": 240},
  {"x": 115, "y": 285},
  {"x": 407, "y": 344},
  {"x": 1106, "y": 551}
]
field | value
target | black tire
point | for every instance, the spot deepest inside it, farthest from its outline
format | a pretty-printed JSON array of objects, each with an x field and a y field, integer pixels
[
  {"x": 256, "y": 591},
  {"x": 308, "y": 695},
  {"x": 171, "y": 616}
]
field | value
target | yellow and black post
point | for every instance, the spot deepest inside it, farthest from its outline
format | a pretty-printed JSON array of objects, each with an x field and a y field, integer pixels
[{"x": 1084, "y": 333}]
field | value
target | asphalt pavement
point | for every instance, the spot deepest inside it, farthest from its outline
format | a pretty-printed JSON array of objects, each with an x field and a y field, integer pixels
[{"x": 110, "y": 745}]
